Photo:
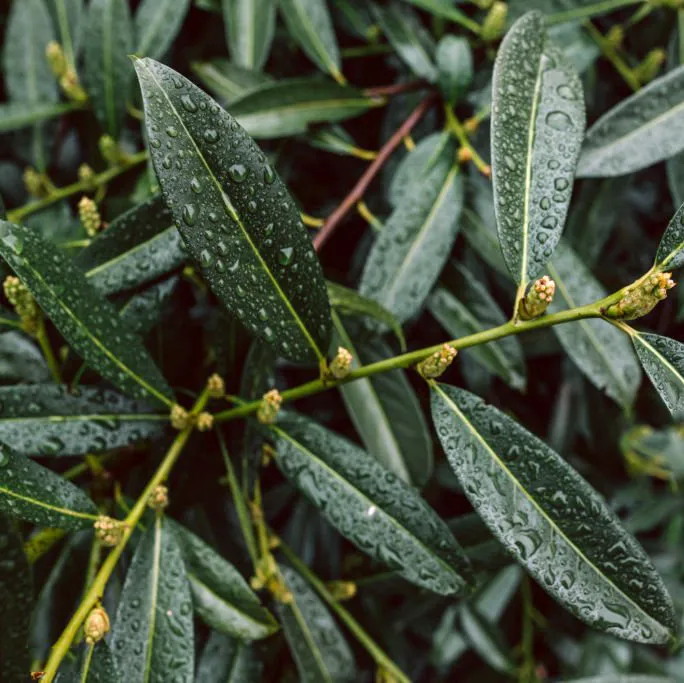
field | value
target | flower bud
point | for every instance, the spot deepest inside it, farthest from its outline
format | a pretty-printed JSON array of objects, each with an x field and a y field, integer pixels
[
  {"x": 341, "y": 364},
  {"x": 96, "y": 626},
  {"x": 615, "y": 37},
  {"x": 495, "y": 22},
  {"x": 24, "y": 303},
  {"x": 180, "y": 418},
  {"x": 205, "y": 422},
  {"x": 537, "y": 299},
  {"x": 87, "y": 176},
  {"x": 642, "y": 297},
  {"x": 216, "y": 387},
  {"x": 269, "y": 407},
  {"x": 33, "y": 181},
  {"x": 72, "y": 88},
  {"x": 341, "y": 590},
  {"x": 435, "y": 364},
  {"x": 55, "y": 58},
  {"x": 89, "y": 215},
  {"x": 109, "y": 149},
  {"x": 159, "y": 498},
  {"x": 108, "y": 531},
  {"x": 648, "y": 69}
]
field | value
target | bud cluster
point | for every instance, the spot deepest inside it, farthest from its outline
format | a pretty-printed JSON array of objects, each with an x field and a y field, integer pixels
[
  {"x": 24, "y": 303},
  {"x": 341, "y": 364},
  {"x": 216, "y": 387},
  {"x": 64, "y": 73},
  {"x": 96, "y": 626},
  {"x": 269, "y": 407},
  {"x": 642, "y": 297},
  {"x": 34, "y": 183},
  {"x": 435, "y": 364},
  {"x": 90, "y": 216},
  {"x": 538, "y": 298},
  {"x": 108, "y": 531},
  {"x": 182, "y": 419},
  {"x": 159, "y": 498}
]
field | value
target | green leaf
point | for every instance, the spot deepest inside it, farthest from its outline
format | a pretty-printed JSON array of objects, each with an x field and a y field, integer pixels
[
  {"x": 349, "y": 302},
  {"x": 622, "y": 678},
  {"x": 537, "y": 128},
  {"x": 355, "y": 17},
  {"x": 87, "y": 320},
  {"x": 17, "y": 115},
  {"x": 638, "y": 132},
  {"x": 408, "y": 37},
  {"x": 484, "y": 240},
  {"x": 144, "y": 310},
  {"x": 47, "y": 419},
  {"x": 95, "y": 664},
  {"x": 675, "y": 178},
  {"x": 600, "y": 351},
  {"x": 290, "y": 106},
  {"x": 226, "y": 80},
  {"x": 68, "y": 17},
  {"x": 228, "y": 660},
  {"x": 415, "y": 243},
  {"x": 222, "y": 598},
  {"x": 455, "y": 67},
  {"x": 551, "y": 520},
  {"x": 485, "y": 638},
  {"x": 309, "y": 23},
  {"x": 16, "y": 598},
  {"x": 444, "y": 9},
  {"x": 139, "y": 246},
  {"x": 387, "y": 414},
  {"x": 153, "y": 631},
  {"x": 559, "y": 11},
  {"x": 21, "y": 360},
  {"x": 236, "y": 216},
  {"x": 670, "y": 252},
  {"x": 370, "y": 506},
  {"x": 32, "y": 492},
  {"x": 107, "y": 67},
  {"x": 157, "y": 23},
  {"x": 316, "y": 642},
  {"x": 663, "y": 361},
  {"x": 250, "y": 25}
]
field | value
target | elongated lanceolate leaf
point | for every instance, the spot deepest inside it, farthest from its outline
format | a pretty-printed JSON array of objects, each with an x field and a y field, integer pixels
[
  {"x": 640, "y": 131},
  {"x": 369, "y": 505},
  {"x": 157, "y": 23},
  {"x": 47, "y": 419},
  {"x": 537, "y": 128},
  {"x": 108, "y": 70},
  {"x": 670, "y": 252},
  {"x": 560, "y": 11},
  {"x": 235, "y": 215},
  {"x": 599, "y": 350},
  {"x": 415, "y": 243},
  {"x": 441, "y": 8},
  {"x": 144, "y": 310},
  {"x": 16, "y": 115},
  {"x": 486, "y": 639},
  {"x": 87, "y": 320},
  {"x": 94, "y": 664},
  {"x": 228, "y": 660},
  {"x": 227, "y": 81},
  {"x": 316, "y": 642},
  {"x": 663, "y": 361},
  {"x": 455, "y": 67},
  {"x": 249, "y": 30},
  {"x": 551, "y": 520},
  {"x": 153, "y": 630},
  {"x": 32, "y": 492},
  {"x": 68, "y": 17}
]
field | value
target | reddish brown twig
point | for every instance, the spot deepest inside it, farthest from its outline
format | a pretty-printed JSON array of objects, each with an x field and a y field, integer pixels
[
  {"x": 395, "y": 89},
  {"x": 365, "y": 180}
]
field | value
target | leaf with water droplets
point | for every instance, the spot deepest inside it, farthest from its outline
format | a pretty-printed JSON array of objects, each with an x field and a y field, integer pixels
[
  {"x": 21, "y": 359},
  {"x": 670, "y": 252},
  {"x": 87, "y": 320},
  {"x": 94, "y": 664},
  {"x": 643, "y": 129},
  {"x": 537, "y": 128},
  {"x": 235, "y": 215},
  {"x": 221, "y": 596},
  {"x": 455, "y": 67},
  {"x": 415, "y": 243},
  {"x": 153, "y": 630},
  {"x": 290, "y": 106},
  {"x": 49, "y": 420},
  {"x": 552, "y": 522},
  {"x": 157, "y": 22},
  {"x": 108, "y": 71},
  {"x": 227, "y": 81},
  {"x": 369, "y": 505},
  {"x": 663, "y": 361},
  {"x": 228, "y": 660},
  {"x": 316, "y": 642},
  {"x": 32, "y": 492},
  {"x": 250, "y": 25},
  {"x": 601, "y": 352},
  {"x": 144, "y": 310}
]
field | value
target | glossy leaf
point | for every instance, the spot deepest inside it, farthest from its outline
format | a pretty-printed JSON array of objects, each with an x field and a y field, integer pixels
[
  {"x": 317, "y": 644},
  {"x": 249, "y": 30},
  {"x": 369, "y": 505},
  {"x": 69, "y": 18},
  {"x": 663, "y": 361},
  {"x": 227, "y": 660},
  {"x": 290, "y": 106},
  {"x": 153, "y": 630},
  {"x": 137, "y": 247},
  {"x": 108, "y": 70},
  {"x": 599, "y": 350},
  {"x": 537, "y": 128},
  {"x": 17, "y": 115},
  {"x": 222, "y": 598},
  {"x": 227, "y": 81},
  {"x": 670, "y": 252},
  {"x": 144, "y": 310},
  {"x": 87, "y": 320},
  {"x": 454, "y": 66},
  {"x": 486, "y": 640},
  {"x": 309, "y": 23},
  {"x": 235, "y": 216},
  {"x": 32, "y": 492},
  {"x": 409, "y": 253},
  {"x": 48, "y": 420},
  {"x": 95, "y": 664},
  {"x": 551, "y": 520},
  {"x": 675, "y": 178},
  {"x": 20, "y": 359},
  {"x": 638, "y": 132},
  {"x": 157, "y": 22}
]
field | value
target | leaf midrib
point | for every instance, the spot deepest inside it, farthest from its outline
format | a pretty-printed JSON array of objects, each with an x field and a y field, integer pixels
[
  {"x": 122, "y": 417},
  {"x": 47, "y": 506},
  {"x": 310, "y": 105},
  {"x": 154, "y": 580}
]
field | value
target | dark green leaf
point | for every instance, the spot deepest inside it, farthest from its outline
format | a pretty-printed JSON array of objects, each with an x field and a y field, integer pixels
[
  {"x": 559, "y": 11},
  {"x": 455, "y": 67},
  {"x": 68, "y": 17},
  {"x": 46, "y": 419},
  {"x": 235, "y": 216},
  {"x": 157, "y": 22},
  {"x": 551, "y": 520},
  {"x": 32, "y": 492},
  {"x": 670, "y": 252},
  {"x": 356, "y": 18},
  {"x": 87, "y": 320},
  {"x": 675, "y": 178},
  {"x": 17, "y": 115},
  {"x": 621, "y": 678},
  {"x": 640, "y": 131},
  {"x": 144, "y": 310},
  {"x": 486, "y": 640},
  {"x": 537, "y": 129},
  {"x": 226, "y": 80},
  {"x": 153, "y": 631},
  {"x": 332, "y": 138},
  {"x": 441, "y": 8},
  {"x": 228, "y": 660},
  {"x": 369, "y": 505},
  {"x": 108, "y": 69},
  {"x": 249, "y": 30},
  {"x": 316, "y": 642},
  {"x": 20, "y": 359},
  {"x": 95, "y": 664}
]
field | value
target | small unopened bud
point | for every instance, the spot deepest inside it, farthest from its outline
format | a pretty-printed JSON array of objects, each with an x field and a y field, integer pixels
[
  {"x": 538, "y": 298},
  {"x": 495, "y": 22},
  {"x": 464, "y": 155},
  {"x": 471, "y": 125},
  {"x": 641, "y": 298},
  {"x": 24, "y": 303},
  {"x": 648, "y": 69},
  {"x": 435, "y": 364},
  {"x": 205, "y": 422},
  {"x": 90, "y": 216},
  {"x": 615, "y": 36},
  {"x": 341, "y": 364},
  {"x": 108, "y": 531},
  {"x": 72, "y": 87},
  {"x": 159, "y": 498},
  {"x": 55, "y": 58},
  {"x": 87, "y": 176},
  {"x": 382, "y": 675},
  {"x": 96, "y": 626},
  {"x": 267, "y": 454},
  {"x": 342, "y": 590},
  {"x": 33, "y": 181},
  {"x": 269, "y": 407},
  {"x": 109, "y": 149},
  {"x": 216, "y": 387},
  {"x": 279, "y": 590},
  {"x": 180, "y": 418}
]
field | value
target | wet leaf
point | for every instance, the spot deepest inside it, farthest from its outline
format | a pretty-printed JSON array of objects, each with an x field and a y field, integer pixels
[
  {"x": 235, "y": 216},
  {"x": 551, "y": 520},
  {"x": 87, "y": 320},
  {"x": 250, "y": 25},
  {"x": 227, "y": 81},
  {"x": 228, "y": 660},
  {"x": 369, "y": 505},
  {"x": 144, "y": 310},
  {"x": 455, "y": 67},
  {"x": 670, "y": 252},
  {"x": 537, "y": 129},
  {"x": 157, "y": 22},
  {"x": 20, "y": 359},
  {"x": 95, "y": 664}
]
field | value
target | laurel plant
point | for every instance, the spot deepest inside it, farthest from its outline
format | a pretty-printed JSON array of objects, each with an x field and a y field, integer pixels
[{"x": 339, "y": 341}]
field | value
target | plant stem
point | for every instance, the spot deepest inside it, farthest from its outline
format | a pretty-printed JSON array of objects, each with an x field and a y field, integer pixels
[
  {"x": 96, "y": 589},
  {"x": 44, "y": 342},
  {"x": 611, "y": 54},
  {"x": 456, "y": 127},
  {"x": 395, "y": 89}
]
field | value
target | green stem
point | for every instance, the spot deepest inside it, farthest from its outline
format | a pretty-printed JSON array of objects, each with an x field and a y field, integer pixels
[
  {"x": 528, "y": 669},
  {"x": 11, "y": 323},
  {"x": 611, "y": 54},
  {"x": 44, "y": 342},
  {"x": 456, "y": 127}
]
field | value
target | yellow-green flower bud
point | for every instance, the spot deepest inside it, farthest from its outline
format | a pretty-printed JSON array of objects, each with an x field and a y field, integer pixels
[
  {"x": 642, "y": 297},
  {"x": 72, "y": 88},
  {"x": 90, "y": 216},
  {"x": 205, "y": 422},
  {"x": 24, "y": 303},
  {"x": 109, "y": 149},
  {"x": 341, "y": 364},
  {"x": 648, "y": 69},
  {"x": 495, "y": 22},
  {"x": 615, "y": 36},
  {"x": 269, "y": 407},
  {"x": 33, "y": 181},
  {"x": 435, "y": 364},
  {"x": 108, "y": 531},
  {"x": 87, "y": 176},
  {"x": 159, "y": 498},
  {"x": 341, "y": 590},
  {"x": 96, "y": 626},
  {"x": 216, "y": 387},
  {"x": 180, "y": 418},
  {"x": 538, "y": 298},
  {"x": 55, "y": 58}
]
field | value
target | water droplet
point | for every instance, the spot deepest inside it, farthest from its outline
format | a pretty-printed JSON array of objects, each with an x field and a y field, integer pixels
[
  {"x": 545, "y": 203},
  {"x": 566, "y": 92},
  {"x": 560, "y": 184},
  {"x": 263, "y": 314},
  {"x": 195, "y": 186},
  {"x": 510, "y": 162},
  {"x": 269, "y": 175},
  {"x": 189, "y": 214},
  {"x": 269, "y": 335},
  {"x": 206, "y": 258},
  {"x": 559, "y": 120},
  {"x": 211, "y": 136},
  {"x": 172, "y": 132},
  {"x": 237, "y": 172},
  {"x": 285, "y": 256},
  {"x": 188, "y": 104},
  {"x": 155, "y": 143}
]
